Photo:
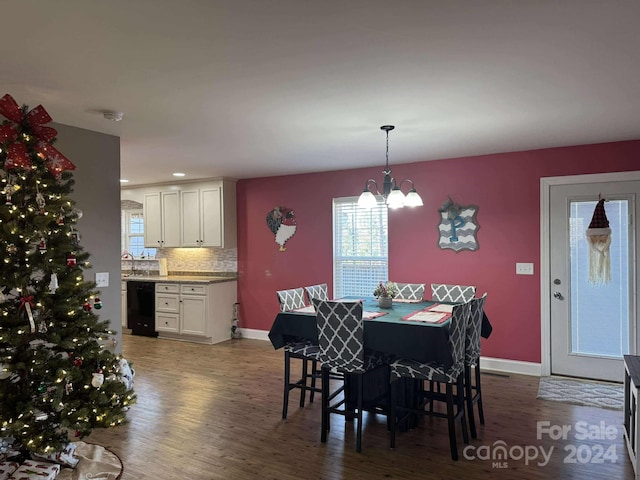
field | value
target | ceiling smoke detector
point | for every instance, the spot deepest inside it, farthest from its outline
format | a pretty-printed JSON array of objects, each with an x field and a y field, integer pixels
[{"x": 115, "y": 116}]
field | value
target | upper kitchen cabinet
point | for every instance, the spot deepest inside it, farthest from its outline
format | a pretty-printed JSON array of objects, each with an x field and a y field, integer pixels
[
  {"x": 190, "y": 214},
  {"x": 202, "y": 217},
  {"x": 208, "y": 215},
  {"x": 162, "y": 219}
]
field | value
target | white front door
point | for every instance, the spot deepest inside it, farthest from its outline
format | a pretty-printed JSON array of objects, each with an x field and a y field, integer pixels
[{"x": 592, "y": 325}]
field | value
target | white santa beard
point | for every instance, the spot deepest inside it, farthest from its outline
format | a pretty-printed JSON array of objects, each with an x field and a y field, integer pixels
[{"x": 599, "y": 260}]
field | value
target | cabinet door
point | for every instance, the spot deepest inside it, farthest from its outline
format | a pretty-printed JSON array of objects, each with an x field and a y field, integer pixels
[
  {"x": 193, "y": 315},
  {"x": 211, "y": 217},
  {"x": 190, "y": 218},
  {"x": 170, "y": 219},
  {"x": 152, "y": 211}
]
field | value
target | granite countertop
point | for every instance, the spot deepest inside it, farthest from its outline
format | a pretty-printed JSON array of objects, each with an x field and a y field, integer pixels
[{"x": 179, "y": 278}]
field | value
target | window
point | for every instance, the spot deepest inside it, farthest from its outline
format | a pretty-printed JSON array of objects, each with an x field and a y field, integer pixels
[
  {"x": 360, "y": 248},
  {"x": 133, "y": 234}
]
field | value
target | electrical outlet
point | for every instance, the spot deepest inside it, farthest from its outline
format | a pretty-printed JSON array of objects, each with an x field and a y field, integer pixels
[
  {"x": 102, "y": 279},
  {"x": 524, "y": 268}
]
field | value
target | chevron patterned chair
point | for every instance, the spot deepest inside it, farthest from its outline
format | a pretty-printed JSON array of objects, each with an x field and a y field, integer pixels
[
  {"x": 449, "y": 375},
  {"x": 304, "y": 350},
  {"x": 441, "y": 292},
  {"x": 341, "y": 342},
  {"x": 410, "y": 291},
  {"x": 472, "y": 389},
  {"x": 317, "y": 291}
]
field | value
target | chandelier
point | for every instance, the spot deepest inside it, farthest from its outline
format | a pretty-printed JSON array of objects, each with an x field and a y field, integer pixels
[{"x": 393, "y": 196}]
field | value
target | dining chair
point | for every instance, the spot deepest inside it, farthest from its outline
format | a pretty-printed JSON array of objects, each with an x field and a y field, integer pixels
[
  {"x": 449, "y": 375},
  {"x": 410, "y": 291},
  {"x": 317, "y": 291},
  {"x": 472, "y": 389},
  {"x": 441, "y": 292},
  {"x": 304, "y": 350},
  {"x": 341, "y": 341}
]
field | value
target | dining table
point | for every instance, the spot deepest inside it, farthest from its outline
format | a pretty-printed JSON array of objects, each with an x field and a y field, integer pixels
[
  {"x": 409, "y": 329},
  {"x": 395, "y": 331}
]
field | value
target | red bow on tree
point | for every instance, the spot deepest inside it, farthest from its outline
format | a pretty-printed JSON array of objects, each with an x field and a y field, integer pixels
[{"x": 33, "y": 122}]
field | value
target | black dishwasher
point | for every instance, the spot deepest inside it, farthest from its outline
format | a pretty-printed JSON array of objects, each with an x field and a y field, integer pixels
[{"x": 141, "y": 308}]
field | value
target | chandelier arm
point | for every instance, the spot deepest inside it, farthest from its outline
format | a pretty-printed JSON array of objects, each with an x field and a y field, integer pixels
[
  {"x": 413, "y": 187},
  {"x": 370, "y": 182}
]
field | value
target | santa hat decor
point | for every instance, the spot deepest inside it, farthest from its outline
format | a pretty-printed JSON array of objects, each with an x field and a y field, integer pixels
[{"x": 599, "y": 238}]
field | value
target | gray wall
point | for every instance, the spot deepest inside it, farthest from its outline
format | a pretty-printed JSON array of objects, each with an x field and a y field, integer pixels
[{"x": 97, "y": 193}]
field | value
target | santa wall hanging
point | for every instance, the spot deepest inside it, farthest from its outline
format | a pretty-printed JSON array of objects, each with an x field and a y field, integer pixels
[{"x": 599, "y": 238}]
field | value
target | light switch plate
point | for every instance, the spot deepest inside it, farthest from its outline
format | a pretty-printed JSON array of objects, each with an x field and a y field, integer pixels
[
  {"x": 102, "y": 279},
  {"x": 524, "y": 268}
]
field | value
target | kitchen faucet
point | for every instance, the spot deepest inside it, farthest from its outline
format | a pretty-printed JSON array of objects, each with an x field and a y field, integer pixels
[{"x": 129, "y": 256}]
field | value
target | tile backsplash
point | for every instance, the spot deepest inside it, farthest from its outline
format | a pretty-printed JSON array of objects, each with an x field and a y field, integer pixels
[{"x": 197, "y": 260}]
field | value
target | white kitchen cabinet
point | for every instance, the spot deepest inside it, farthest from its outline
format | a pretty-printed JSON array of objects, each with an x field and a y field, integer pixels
[
  {"x": 208, "y": 216},
  {"x": 162, "y": 219},
  {"x": 198, "y": 214},
  {"x": 198, "y": 312},
  {"x": 201, "y": 216}
]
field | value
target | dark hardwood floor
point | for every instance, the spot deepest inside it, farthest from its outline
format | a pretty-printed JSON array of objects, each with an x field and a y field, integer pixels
[{"x": 214, "y": 412}]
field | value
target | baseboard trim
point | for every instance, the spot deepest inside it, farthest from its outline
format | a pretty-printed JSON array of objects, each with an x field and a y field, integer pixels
[
  {"x": 254, "y": 334},
  {"x": 498, "y": 365},
  {"x": 501, "y": 365}
]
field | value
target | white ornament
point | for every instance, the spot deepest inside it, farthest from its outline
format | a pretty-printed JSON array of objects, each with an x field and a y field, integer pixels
[
  {"x": 97, "y": 380},
  {"x": 53, "y": 283}
]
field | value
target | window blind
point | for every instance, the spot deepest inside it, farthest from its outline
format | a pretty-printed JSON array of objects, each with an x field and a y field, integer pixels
[{"x": 360, "y": 247}]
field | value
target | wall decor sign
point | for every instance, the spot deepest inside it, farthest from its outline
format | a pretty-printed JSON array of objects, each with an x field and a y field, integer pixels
[
  {"x": 282, "y": 222},
  {"x": 458, "y": 226}
]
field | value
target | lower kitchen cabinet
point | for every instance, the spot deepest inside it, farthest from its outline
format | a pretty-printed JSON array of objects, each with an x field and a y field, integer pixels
[{"x": 199, "y": 312}]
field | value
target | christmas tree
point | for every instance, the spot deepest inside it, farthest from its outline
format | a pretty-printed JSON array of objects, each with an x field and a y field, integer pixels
[{"x": 59, "y": 378}]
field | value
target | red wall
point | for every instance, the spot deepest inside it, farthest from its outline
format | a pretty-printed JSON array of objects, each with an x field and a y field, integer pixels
[{"x": 505, "y": 187}]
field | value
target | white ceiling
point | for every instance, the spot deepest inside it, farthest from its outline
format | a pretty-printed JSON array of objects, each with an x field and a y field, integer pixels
[{"x": 250, "y": 88}]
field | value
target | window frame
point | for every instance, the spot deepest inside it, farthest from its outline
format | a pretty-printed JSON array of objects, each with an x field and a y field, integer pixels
[{"x": 366, "y": 277}]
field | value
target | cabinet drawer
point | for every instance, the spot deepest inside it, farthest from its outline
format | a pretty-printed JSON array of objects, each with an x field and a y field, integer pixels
[
  {"x": 190, "y": 289},
  {"x": 167, "y": 303},
  {"x": 167, "y": 322},
  {"x": 167, "y": 287}
]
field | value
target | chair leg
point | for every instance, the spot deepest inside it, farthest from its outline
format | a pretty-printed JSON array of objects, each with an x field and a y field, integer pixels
[
  {"x": 314, "y": 371},
  {"x": 460, "y": 404},
  {"x": 287, "y": 373},
  {"x": 479, "y": 392},
  {"x": 325, "y": 404},
  {"x": 392, "y": 414},
  {"x": 359, "y": 413},
  {"x": 452, "y": 422},
  {"x": 303, "y": 381},
  {"x": 468, "y": 394}
]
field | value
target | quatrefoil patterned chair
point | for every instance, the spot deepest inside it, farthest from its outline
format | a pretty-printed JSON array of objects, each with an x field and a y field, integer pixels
[
  {"x": 435, "y": 372},
  {"x": 441, "y": 292},
  {"x": 473, "y": 390},
  {"x": 304, "y": 350},
  {"x": 410, "y": 291},
  {"x": 317, "y": 291},
  {"x": 341, "y": 341}
]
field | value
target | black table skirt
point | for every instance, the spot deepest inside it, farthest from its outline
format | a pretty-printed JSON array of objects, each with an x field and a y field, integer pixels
[{"x": 419, "y": 342}]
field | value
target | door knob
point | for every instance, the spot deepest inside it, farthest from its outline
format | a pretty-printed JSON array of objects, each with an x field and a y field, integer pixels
[{"x": 558, "y": 295}]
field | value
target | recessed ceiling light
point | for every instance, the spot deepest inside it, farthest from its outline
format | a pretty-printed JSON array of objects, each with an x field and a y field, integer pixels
[
  {"x": 179, "y": 174},
  {"x": 124, "y": 180}
]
